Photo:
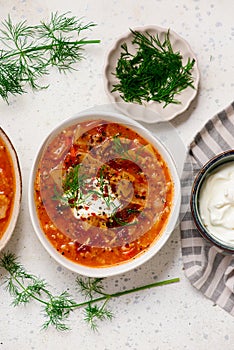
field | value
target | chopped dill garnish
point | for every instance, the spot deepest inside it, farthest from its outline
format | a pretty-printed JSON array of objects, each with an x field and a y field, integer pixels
[
  {"x": 121, "y": 148},
  {"x": 79, "y": 189},
  {"x": 73, "y": 186},
  {"x": 154, "y": 73}
]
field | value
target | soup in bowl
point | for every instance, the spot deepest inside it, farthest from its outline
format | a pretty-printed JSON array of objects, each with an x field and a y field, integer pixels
[
  {"x": 104, "y": 194},
  {"x": 10, "y": 188}
]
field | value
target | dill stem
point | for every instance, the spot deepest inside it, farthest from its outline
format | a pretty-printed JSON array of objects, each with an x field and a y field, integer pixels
[
  {"x": 105, "y": 297},
  {"x": 30, "y": 294},
  {"x": 125, "y": 292},
  {"x": 48, "y": 47}
]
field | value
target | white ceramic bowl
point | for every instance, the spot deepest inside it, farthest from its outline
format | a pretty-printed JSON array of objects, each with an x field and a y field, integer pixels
[
  {"x": 18, "y": 190},
  {"x": 215, "y": 164},
  {"x": 154, "y": 248}
]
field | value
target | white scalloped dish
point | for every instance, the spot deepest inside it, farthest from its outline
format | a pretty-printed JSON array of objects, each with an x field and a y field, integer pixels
[{"x": 151, "y": 111}]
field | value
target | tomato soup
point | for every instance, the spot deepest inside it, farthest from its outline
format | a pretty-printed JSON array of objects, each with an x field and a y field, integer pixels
[
  {"x": 103, "y": 193},
  {"x": 7, "y": 187}
]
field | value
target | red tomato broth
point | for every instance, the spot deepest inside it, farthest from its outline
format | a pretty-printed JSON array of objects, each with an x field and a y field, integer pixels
[
  {"x": 7, "y": 187},
  {"x": 101, "y": 240}
]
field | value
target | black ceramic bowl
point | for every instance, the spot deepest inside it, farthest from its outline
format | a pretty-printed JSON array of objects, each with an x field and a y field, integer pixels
[{"x": 208, "y": 169}]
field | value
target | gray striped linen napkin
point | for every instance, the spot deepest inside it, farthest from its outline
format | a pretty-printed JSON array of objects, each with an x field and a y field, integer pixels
[{"x": 208, "y": 269}]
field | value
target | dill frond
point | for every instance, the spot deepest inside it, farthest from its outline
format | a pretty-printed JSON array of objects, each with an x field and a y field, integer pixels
[{"x": 28, "y": 52}]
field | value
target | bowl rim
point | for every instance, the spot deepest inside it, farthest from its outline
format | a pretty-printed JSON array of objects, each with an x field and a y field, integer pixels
[
  {"x": 18, "y": 190},
  {"x": 142, "y": 258},
  {"x": 206, "y": 169}
]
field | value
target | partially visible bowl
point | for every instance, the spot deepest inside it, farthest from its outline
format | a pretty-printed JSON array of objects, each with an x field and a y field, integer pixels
[
  {"x": 10, "y": 189},
  {"x": 40, "y": 170},
  {"x": 212, "y": 201}
]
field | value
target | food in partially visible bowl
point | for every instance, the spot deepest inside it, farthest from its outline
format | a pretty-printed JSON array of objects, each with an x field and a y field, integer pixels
[
  {"x": 10, "y": 188},
  {"x": 212, "y": 201},
  {"x": 104, "y": 194}
]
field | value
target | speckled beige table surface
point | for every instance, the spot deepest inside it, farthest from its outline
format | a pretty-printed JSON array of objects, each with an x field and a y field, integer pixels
[{"x": 170, "y": 317}]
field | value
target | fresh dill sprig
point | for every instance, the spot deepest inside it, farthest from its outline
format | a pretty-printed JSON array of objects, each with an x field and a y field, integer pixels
[
  {"x": 25, "y": 287},
  {"x": 94, "y": 313},
  {"x": 154, "y": 73},
  {"x": 27, "y": 51},
  {"x": 57, "y": 310}
]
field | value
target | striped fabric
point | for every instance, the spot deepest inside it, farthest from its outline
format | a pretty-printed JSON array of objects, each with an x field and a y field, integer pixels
[{"x": 208, "y": 268}]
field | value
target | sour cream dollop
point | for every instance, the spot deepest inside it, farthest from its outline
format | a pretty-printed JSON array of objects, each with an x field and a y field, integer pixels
[{"x": 216, "y": 203}]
